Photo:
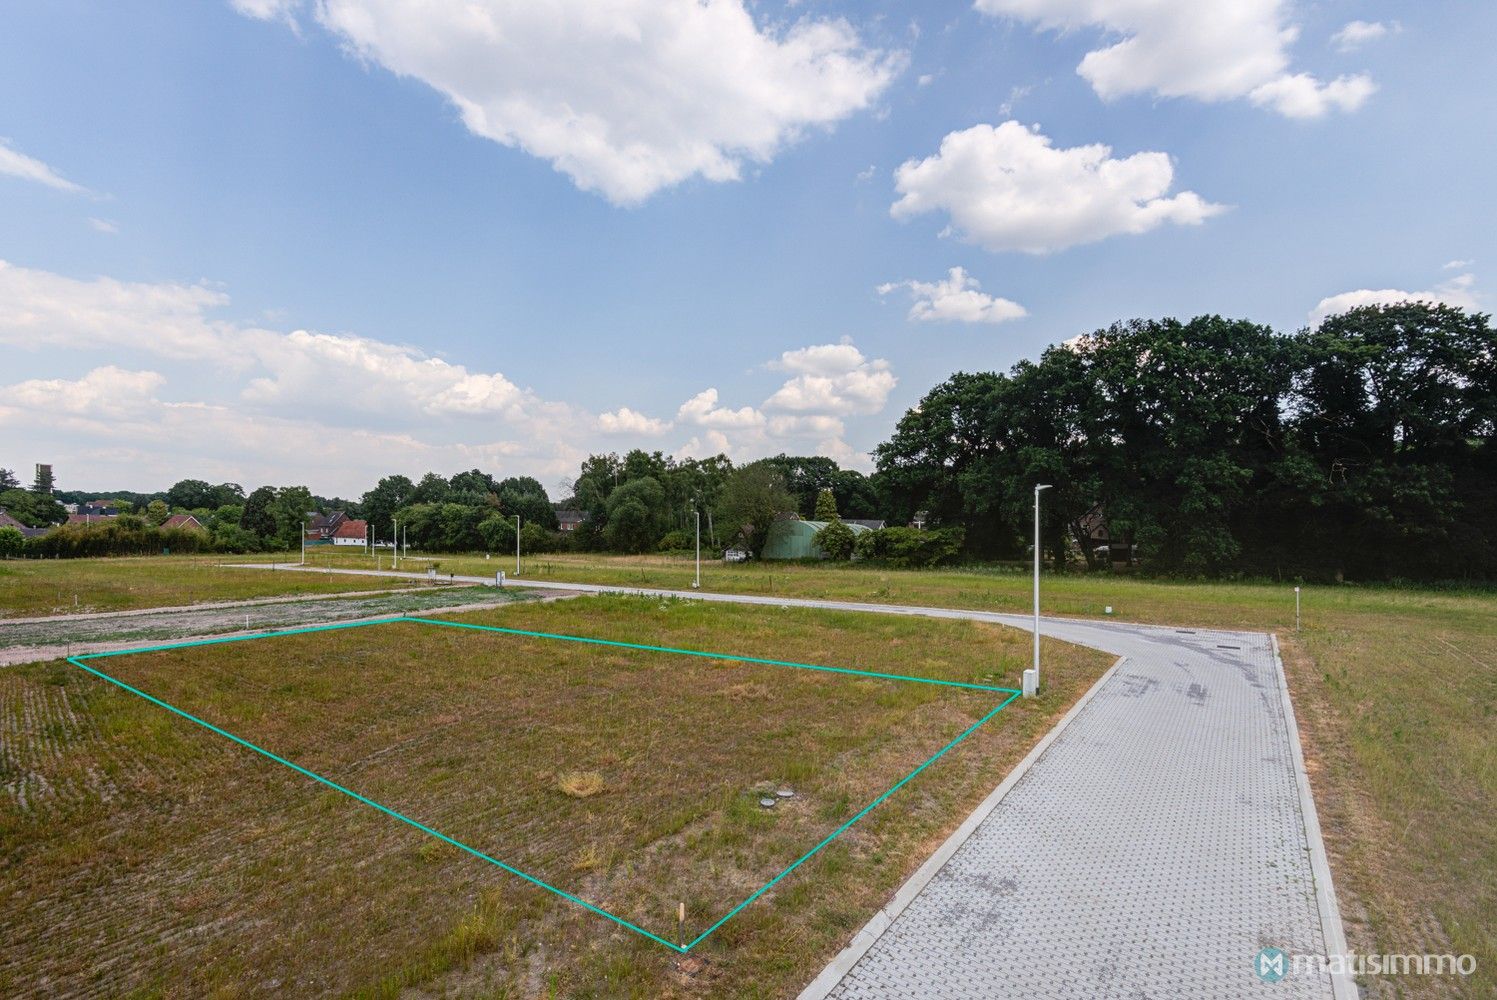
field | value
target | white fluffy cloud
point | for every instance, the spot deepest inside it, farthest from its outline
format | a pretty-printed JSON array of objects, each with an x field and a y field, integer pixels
[
  {"x": 337, "y": 409},
  {"x": 1458, "y": 291},
  {"x": 1008, "y": 188},
  {"x": 625, "y": 421},
  {"x": 111, "y": 427},
  {"x": 832, "y": 379},
  {"x": 1210, "y": 51},
  {"x": 625, "y": 97},
  {"x": 42, "y": 309},
  {"x": 702, "y": 410},
  {"x": 14, "y": 163},
  {"x": 959, "y": 298},
  {"x": 1355, "y": 34},
  {"x": 827, "y": 383}
]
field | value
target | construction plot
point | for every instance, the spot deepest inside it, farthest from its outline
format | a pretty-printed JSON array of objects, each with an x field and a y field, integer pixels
[{"x": 402, "y": 796}]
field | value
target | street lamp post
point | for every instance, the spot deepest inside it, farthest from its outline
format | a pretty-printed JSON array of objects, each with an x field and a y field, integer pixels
[
  {"x": 1032, "y": 675},
  {"x": 697, "y": 583},
  {"x": 395, "y": 541}
]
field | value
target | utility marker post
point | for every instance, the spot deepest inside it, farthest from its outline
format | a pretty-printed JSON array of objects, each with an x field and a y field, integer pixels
[
  {"x": 697, "y": 584},
  {"x": 304, "y": 543},
  {"x": 1032, "y": 675},
  {"x": 395, "y": 542},
  {"x": 1296, "y": 609},
  {"x": 517, "y": 545}
]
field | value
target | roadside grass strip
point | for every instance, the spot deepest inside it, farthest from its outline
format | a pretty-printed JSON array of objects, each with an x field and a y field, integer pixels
[{"x": 1009, "y": 695}]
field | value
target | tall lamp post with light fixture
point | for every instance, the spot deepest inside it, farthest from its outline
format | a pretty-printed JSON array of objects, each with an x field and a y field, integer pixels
[{"x": 1032, "y": 675}]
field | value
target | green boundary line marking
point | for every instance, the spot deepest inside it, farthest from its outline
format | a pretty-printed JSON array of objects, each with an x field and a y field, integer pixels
[{"x": 77, "y": 661}]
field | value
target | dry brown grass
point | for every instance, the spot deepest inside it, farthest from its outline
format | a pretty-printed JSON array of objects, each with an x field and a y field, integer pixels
[
  {"x": 177, "y": 863},
  {"x": 580, "y": 784}
]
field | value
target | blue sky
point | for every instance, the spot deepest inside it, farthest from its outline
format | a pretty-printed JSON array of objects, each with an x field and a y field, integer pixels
[{"x": 295, "y": 242}]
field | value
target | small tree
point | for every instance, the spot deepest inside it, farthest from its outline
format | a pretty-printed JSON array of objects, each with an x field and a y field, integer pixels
[
  {"x": 157, "y": 511},
  {"x": 826, "y": 506},
  {"x": 12, "y": 543},
  {"x": 751, "y": 499},
  {"x": 8, "y": 480},
  {"x": 836, "y": 539}
]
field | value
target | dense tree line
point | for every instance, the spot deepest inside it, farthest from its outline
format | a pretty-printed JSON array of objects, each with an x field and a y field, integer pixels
[{"x": 1361, "y": 448}]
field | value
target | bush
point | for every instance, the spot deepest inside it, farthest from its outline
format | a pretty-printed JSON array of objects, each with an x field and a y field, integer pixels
[
  {"x": 12, "y": 543},
  {"x": 123, "y": 536},
  {"x": 232, "y": 538},
  {"x": 836, "y": 540},
  {"x": 677, "y": 541},
  {"x": 910, "y": 547}
]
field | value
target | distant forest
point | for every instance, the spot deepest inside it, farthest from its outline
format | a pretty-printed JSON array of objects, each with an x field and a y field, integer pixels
[{"x": 1360, "y": 449}]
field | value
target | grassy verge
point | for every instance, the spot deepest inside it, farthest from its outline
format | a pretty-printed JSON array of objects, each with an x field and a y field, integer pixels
[
  {"x": 35, "y": 587},
  {"x": 145, "y": 854},
  {"x": 1396, "y": 689}
]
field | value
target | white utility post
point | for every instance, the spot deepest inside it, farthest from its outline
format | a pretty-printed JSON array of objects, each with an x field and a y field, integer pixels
[
  {"x": 1296, "y": 609},
  {"x": 304, "y": 543},
  {"x": 1032, "y": 675},
  {"x": 395, "y": 542},
  {"x": 697, "y": 583},
  {"x": 517, "y": 545}
]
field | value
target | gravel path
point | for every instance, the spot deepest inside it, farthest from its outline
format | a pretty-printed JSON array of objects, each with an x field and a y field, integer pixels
[{"x": 49, "y": 638}]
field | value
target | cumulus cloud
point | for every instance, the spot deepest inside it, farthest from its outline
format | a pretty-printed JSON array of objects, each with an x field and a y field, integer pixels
[
  {"x": 1214, "y": 51},
  {"x": 959, "y": 299},
  {"x": 702, "y": 410},
  {"x": 1458, "y": 291},
  {"x": 1355, "y": 34},
  {"x": 111, "y": 426},
  {"x": 832, "y": 379},
  {"x": 1300, "y": 95},
  {"x": 1008, "y": 188},
  {"x": 627, "y": 97},
  {"x": 42, "y": 309},
  {"x": 631, "y": 422},
  {"x": 257, "y": 396}
]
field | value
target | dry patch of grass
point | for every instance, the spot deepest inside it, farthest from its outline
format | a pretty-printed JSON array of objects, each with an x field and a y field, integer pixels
[
  {"x": 201, "y": 867},
  {"x": 580, "y": 784}
]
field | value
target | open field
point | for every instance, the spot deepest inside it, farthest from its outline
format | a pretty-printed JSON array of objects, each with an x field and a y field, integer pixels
[
  {"x": 34, "y": 587},
  {"x": 1396, "y": 690},
  {"x": 144, "y": 854}
]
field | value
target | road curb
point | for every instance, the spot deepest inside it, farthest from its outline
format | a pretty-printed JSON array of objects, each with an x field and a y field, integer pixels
[{"x": 1343, "y": 985}]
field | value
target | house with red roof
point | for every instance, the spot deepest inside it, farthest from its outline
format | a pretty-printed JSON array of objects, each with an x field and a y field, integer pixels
[
  {"x": 351, "y": 532},
  {"x": 183, "y": 521}
]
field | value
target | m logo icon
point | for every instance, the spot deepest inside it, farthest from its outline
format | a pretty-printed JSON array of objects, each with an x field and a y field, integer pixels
[{"x": 1271, "y": 964}]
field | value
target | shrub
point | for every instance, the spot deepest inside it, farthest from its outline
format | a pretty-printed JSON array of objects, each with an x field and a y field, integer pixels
[
  {"x": 836, "y": 540},
  {"x": 677, "y": 541},
  {"x": 910, "y": 547},
  {"x": 12, "y": 543}
]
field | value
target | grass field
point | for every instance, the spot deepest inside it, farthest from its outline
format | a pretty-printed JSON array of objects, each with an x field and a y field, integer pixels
[
  {"x": 1395, "y": 688},
  {"x": 144, "y": 854},
  {"x": 35, "y": 587}
]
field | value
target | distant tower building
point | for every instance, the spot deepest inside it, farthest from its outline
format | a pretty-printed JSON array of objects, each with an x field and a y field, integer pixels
[{"x": 43, "y": 482}]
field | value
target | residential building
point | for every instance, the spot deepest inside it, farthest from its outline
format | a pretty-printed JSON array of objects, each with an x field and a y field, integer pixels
[{"x": 352, "y": 532}]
